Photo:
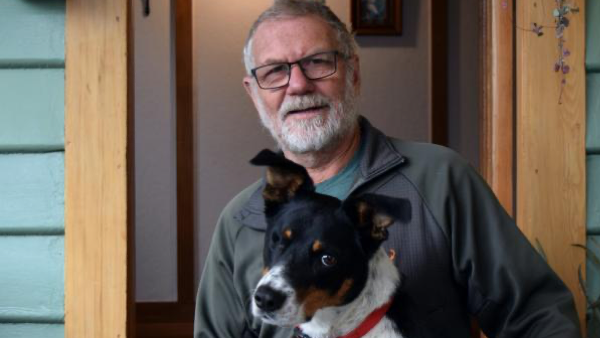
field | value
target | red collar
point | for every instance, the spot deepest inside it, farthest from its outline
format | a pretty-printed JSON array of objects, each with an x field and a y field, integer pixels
[{"x": 366, "y": 326}]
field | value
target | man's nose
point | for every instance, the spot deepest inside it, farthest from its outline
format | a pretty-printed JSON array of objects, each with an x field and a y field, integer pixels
[{"x": 299, "y": 83}]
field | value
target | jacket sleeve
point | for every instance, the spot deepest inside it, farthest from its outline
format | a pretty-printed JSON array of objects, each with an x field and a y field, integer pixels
[
  {"x": 219, "y": 312},
  {"x": 511, "y": 289}
]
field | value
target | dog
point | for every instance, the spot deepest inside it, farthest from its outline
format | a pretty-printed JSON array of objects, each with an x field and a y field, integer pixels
[{"x": 325, "y": 272}]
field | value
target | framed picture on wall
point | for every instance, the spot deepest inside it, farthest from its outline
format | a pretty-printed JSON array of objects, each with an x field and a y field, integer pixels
[{"x": 376, "y": 17}]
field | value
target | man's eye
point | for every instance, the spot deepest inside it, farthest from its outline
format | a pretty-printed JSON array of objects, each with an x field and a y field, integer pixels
[
  {"x": 276, "y": 70},
  {"x": 318, "y": 61}
]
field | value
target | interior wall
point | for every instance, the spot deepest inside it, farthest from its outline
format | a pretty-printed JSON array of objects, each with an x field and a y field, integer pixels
[
  {"x": 395, "y": 96},
  {"x": 155, "y": 155}
]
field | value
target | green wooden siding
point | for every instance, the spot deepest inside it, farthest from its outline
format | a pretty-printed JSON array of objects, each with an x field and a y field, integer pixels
[
  {"x": 32, "y": 32},
  {"x": 592, "y": 58},
  {"x": 32, "y": 168},
  {"x": 593, "y": 112},
  {"x": 32, "y": 190},
  {"x": 28, "y": 124},
  {"x": 33, "y": 279},
  {"x": 32, "y": 330},
  {"x": 593, "y": 158}
]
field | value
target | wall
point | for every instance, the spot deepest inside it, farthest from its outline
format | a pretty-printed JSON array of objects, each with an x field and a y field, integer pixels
[
  {"x": 32, "y": 168},
  {"x": 155, "y": 155},
  {"x": 395, "y": 96},
  {"x": 593, "y": 155}
]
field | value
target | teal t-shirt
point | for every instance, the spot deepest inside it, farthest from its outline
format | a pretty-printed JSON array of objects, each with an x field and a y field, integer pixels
[{"x": 339, "y": 185}]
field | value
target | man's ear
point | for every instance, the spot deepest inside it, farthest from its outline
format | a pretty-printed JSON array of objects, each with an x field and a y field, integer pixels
[
  {"x": 247, "y": 81},
  {"x": 284, "y": 178},
  {"x": 373, "y": 214}
]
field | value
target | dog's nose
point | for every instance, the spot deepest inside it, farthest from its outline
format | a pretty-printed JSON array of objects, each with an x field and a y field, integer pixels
[{"x": 268, "y": 299}]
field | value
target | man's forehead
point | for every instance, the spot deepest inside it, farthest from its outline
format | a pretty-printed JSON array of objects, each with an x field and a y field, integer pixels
[{"x": 291, "y": 38}]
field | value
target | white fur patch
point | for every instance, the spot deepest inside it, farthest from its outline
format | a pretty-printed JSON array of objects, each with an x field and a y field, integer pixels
[
  {"x": 290, "y": 313},
  {"x": 381, "y": 284}
]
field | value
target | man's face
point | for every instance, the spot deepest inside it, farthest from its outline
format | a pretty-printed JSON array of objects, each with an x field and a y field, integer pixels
[{"x": 306, "y": 115}]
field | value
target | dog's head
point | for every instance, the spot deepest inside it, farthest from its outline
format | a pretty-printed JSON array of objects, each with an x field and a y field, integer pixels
[{"x": 317, "y": 248}]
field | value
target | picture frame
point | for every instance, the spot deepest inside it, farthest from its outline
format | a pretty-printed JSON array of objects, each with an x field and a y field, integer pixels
[{"x": 376, "y": 17}]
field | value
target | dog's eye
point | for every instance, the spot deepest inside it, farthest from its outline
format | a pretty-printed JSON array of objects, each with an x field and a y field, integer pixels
[{"x": 328, "y": 260}]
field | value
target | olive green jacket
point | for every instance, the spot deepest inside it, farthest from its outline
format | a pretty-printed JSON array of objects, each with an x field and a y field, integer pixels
[{"x": 461, "y": 255}]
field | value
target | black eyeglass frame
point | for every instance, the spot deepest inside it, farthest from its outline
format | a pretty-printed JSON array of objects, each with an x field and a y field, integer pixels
[{"x": 297, "y": 62}]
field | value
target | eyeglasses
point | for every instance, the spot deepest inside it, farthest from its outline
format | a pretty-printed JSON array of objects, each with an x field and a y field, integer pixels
[{"x": 314, "y": 67}]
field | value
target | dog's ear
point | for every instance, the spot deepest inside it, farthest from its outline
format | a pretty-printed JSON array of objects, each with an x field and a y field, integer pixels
[
  {"x": 373, "y": 214},
  {"x": 284, "y": 178}
]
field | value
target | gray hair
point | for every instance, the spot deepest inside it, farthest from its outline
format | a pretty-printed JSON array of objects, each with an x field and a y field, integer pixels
[{"x": 299, "y": 8}]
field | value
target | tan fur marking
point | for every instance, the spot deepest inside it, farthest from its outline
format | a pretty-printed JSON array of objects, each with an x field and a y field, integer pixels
[
  {"x": 317, "y": 246},
  {"x": 364, "y": 212},
  {"x": 265, "y": 270},
  {"x": 281, "y": 185},
  {"x": 287, "y": 234},
  {"x": 315, "y": 299}
]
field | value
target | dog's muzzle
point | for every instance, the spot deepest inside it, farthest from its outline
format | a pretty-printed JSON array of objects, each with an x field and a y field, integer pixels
[{"x": 268, "y": 299}]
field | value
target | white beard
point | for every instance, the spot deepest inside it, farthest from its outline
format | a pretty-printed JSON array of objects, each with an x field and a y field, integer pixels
[{"x": 314, "y": 134}]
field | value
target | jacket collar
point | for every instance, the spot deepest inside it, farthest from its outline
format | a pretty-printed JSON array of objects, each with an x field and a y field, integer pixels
[{"x": 379, "y": 156}]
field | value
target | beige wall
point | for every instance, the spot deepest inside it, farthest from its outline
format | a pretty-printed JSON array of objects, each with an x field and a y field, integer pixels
[{"x": 395, "y": 95}]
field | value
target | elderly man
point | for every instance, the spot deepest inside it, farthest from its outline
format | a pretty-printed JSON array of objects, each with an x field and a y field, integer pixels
[{"x": 460, "y": 256}]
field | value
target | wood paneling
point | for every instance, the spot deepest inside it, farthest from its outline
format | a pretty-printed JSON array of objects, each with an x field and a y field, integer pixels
[
  {"x": 32, "y": 330},
  {"x": 593, "y": 195},
  {"x": 176, "y": 319},
  {"x": 31, "y": 270},
  {"x": 592, "y": 142},
  {"x": 497, "y": 121},
  {"x": 593, "y": 42},
  {"x": 185, "y": 152},
  {"x": 551, "y": 179},
  {"x": 32, "y": 29},
  {"x": 97, "y": 235},
  {"x": 32, "y": 194},
  {"x": 32, "y": 112},
  {"x": 438, "y": 124}
]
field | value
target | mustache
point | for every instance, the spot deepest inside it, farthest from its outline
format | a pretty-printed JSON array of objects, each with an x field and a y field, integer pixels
[{"x": 304, "y": 102}]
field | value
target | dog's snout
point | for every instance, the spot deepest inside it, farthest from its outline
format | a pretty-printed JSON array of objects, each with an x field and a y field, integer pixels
[{"x": 268, "y": 299}]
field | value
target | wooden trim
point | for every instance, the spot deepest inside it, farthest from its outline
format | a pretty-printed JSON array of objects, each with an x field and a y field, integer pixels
[
  {"x": 551, "y": 162},
  {"x": 438, "y": 124},
  {"x": 176, "y": 319},
  {"x": 497, "y": 120},
  {"x": 165, "y": 320},
  {"x": 98, "y": 289},
  {"x": 185, "y": 152}
]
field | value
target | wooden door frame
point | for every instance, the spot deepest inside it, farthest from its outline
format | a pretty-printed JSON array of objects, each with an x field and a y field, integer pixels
[
  {"x": 176, "y": 319},
  {"x": 99, "y": 247},
  {"x": 497, "y": 94},
  {"x": 514, "y": 92}
]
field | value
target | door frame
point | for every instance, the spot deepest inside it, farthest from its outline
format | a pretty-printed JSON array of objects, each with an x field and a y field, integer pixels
[{"x": 99, "y": 247}]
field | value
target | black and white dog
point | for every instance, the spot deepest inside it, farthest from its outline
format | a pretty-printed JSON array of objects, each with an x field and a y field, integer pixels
[{"x": 325, "y": 272}]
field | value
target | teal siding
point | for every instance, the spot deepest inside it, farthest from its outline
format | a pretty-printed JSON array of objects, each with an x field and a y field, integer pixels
[
  {"x": 32, "y": 330},
  {"x": 32, "y": 190},
  {"x": 32, "y": 30},
  {"x": 28, "y": 124},
  {"x": 32, "y": 168},
  {"x": 592, "y": 58},
  {"x": 33, "y": 279},
  {"x": 593, "y": 109},
  {"x": 593, "y": 158}
]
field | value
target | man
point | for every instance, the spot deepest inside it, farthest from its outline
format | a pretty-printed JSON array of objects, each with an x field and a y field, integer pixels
[{"x": 460, "y": 256}]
